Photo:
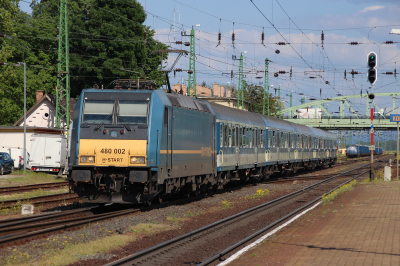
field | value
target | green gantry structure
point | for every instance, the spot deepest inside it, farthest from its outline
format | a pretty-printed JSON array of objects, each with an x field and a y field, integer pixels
[{"x": 328, "y": 122}]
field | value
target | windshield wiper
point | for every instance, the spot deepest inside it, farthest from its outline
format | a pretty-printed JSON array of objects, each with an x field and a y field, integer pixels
[
  {"x": 102, "y": 122},
  {"x": 125, "y": 125}
]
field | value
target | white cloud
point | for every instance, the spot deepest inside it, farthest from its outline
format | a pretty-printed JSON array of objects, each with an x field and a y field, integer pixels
[{"x": 371, "y": 8}]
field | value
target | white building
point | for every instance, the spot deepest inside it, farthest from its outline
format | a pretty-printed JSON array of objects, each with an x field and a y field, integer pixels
[
  {"x": 308, "y": 113},
  {"x": 40, "y": 119}
]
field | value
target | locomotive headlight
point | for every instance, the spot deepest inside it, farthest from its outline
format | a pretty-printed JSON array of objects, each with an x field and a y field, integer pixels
[
  {"x": 83, "y": 159},
  {"x": 135, "y": 159},
  {"x": 91, "y": 159}
]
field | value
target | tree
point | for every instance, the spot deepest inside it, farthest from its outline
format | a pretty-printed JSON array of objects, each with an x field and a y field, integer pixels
[
  {"x": 255, "y": 95},
  {"x": 107, "y": 41}
]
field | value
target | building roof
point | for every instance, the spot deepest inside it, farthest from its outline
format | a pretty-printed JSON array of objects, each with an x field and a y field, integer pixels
[
  {"x": 37, "y": 130},
  {"x": 226, "y": 99},
  {"x": 52, "y": 99}
]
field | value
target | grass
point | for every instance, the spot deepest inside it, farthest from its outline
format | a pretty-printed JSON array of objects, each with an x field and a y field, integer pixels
[
  {"x": 148, "y": 229},
  {"x": 60, "y": 251},
  {"x": 334, "y": 194},
  {"x": 171, "y": 218},
  {"x": 259, "y": 193},
  {"x": 34, "y": 193},
  {"x": 29, "y": 178},
  {"x": 226, "y": 204}
]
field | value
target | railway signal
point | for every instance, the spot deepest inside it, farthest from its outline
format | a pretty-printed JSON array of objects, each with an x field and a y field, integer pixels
[
  {"x": 372, "y": 77},
  {"x": 372, "y": 63}
]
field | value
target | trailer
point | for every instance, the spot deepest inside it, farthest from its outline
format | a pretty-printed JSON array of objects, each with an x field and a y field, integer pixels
[{"x": 48, "y": 153}]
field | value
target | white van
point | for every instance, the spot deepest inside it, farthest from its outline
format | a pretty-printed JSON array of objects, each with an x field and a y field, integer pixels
[
  {"x": 49, "y": 153},
  {"x": 17, "y": 155}
]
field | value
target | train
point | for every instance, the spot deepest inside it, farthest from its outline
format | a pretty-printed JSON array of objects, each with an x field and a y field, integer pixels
[
  {"x": 361, "y": 150},
  {"x": 142, "y": 146}
]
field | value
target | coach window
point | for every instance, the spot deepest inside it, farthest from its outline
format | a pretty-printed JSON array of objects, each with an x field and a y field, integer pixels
[
  {"x": 269, "y": 138},
  {"x": 229, "y": 135},
  {"x": 221, "y": 135},
  {"x": 247, "y": 137},
  {"x": 293, "y": 139},
  {"x": 226, "y": 135},
  {"x": 244, "y": 138},
  {"x": 233, "y": 130},
  {"x": 240, "y": 136}
]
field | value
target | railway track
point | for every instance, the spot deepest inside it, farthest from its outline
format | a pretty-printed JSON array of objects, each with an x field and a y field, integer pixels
[
  {"x": 213, "y": 242},
  {"x": 21, "y": 230},
  {"x": 25, "y": 188},
  {"x": 41, "y": 200}
]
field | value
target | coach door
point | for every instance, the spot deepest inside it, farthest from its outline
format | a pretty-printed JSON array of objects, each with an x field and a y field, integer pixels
[
  {"x": 255, "y": 137},
  {"x": 237, "y": 145},
  {"x": 214, "y": 150}
]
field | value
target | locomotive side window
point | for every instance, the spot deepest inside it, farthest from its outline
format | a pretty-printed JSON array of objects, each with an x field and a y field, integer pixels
[
  {"x": 98, "y": 111},
  {"x": 132, "y": 112},
  {"x": 165, "y": 116}
]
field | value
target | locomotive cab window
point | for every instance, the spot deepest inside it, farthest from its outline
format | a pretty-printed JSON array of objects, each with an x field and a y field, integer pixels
[
  {"x": 132, "y": 112},
  {"x": 96, "y": 112},
  {"x": 115, "y": 112}
]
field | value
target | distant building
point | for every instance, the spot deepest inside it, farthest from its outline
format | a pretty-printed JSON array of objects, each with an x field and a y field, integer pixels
[
  {"x": 389, "y": 110},
  {"x": 43, "y": 113},
  {"x": 308, "y": 113},
  {"x": 218, "y": 94},
  {"x": 40, "y": 119}
]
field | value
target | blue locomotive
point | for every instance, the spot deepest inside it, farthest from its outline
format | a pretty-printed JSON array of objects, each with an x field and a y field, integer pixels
[
  {"x": 361, "y": 150},
  {"x": 132, "y": 146}
]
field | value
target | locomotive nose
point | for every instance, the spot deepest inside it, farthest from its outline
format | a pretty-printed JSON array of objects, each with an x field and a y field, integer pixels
[{"x": 123, "y": 153}]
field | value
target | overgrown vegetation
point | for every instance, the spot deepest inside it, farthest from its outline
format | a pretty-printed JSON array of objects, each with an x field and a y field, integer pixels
[
  {"x": 29, "y": 178},
  {"x": 226, "y": 204},
  {"x": 259, "y": 193},
  {"x": 63, "y": 250},
  {"x": 334, "y": 194},
  {"x": 35, "y": 193}
]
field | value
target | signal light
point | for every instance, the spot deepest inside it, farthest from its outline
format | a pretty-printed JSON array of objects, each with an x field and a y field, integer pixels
[
  {"x": 371, "y": 96},
  {"x": 372, "y": 60},
  {"x": 372, "y": 75},
  {"x": 372, "y": 63}
]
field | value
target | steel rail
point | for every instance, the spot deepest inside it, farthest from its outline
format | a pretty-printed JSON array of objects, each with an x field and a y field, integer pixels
[
  {"x": 13, "y": 239},
  {"x": 128, "y": 260},
  {"x": 220, "y": 255},
  {"x": 36, "y": 200},
  {"x": 6, "y": 190}
]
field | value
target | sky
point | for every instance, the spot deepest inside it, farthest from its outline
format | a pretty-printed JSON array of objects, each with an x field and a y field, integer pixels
[{"x": 299, "y": 23}]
